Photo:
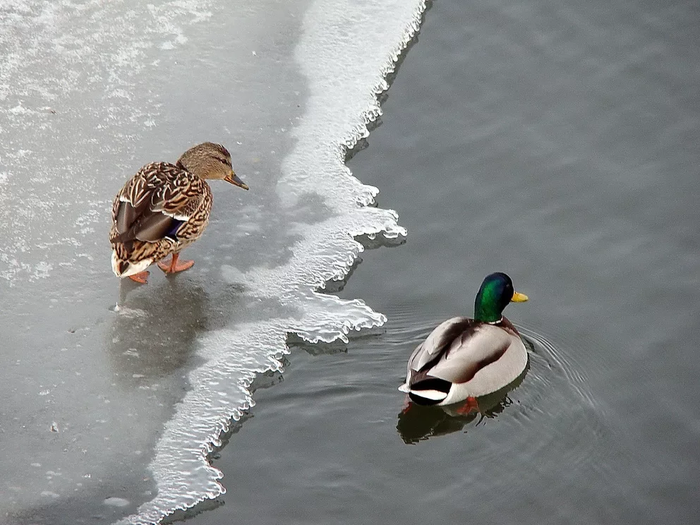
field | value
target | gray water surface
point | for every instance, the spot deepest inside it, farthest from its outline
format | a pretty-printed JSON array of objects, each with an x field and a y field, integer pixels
[{"x": 558, "y": 142}]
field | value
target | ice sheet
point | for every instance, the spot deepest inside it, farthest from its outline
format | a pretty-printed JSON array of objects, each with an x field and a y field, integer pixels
[{"x": 110, "y": 412}]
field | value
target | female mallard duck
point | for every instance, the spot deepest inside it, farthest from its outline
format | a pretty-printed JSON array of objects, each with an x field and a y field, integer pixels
[
  {"x": 466, "y": 358},
  {"x": 165, "y": 207}
]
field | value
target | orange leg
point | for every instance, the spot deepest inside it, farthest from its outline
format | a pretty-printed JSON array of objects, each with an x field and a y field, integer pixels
[
  {"x": 173, "y": 266},
  {"x": 470, "y": 405},
  {"x": 141, "y": 277}
]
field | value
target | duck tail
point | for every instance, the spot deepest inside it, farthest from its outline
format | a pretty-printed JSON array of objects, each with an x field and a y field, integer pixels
[
  {"x": 124, "y": 268},
  {"x": 430, "y": 391}
]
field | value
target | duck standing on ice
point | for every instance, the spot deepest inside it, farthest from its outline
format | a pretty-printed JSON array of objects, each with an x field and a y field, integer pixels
[{"x": 164, "y": 208}]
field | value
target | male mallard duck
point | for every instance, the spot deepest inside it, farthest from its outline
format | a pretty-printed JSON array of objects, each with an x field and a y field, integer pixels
[
  {"x": 466, "y": 358},
  {"x": 165, "y": 207}
]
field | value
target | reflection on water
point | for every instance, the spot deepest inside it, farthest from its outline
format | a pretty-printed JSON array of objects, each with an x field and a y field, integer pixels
[{"x": 417, "y": 423}]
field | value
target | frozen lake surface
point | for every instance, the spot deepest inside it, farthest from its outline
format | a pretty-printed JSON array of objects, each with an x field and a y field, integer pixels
[{"x": 114, "y": 392}]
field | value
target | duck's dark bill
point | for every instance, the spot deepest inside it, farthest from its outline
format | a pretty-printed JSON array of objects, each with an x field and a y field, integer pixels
[{"x": 233, "y": 179}]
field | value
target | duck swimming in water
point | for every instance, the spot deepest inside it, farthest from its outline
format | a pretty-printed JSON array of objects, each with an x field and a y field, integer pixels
[
  {"x": 466, "y": 358},
  {"x": 164, "y": 208}
]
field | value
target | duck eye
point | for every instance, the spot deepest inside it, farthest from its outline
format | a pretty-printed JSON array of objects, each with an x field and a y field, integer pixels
[{"x": 225, "y": 162}]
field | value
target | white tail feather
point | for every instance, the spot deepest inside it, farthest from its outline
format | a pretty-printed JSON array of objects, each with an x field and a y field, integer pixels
[
  {"x": 132, "y": 269},
  {"x": 432, "y": 395}
]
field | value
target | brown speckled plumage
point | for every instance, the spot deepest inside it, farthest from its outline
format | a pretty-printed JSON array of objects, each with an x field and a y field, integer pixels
[
  {"x": 165, "y": 207},
  {"x": 147, "y": 213}
]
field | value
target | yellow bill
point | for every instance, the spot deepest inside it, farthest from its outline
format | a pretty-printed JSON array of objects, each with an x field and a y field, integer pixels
[{"x": 519, "y": 297}]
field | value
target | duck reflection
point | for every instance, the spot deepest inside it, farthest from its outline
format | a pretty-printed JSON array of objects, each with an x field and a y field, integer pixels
[
  {"x": 417, "y": 423},
  {"x": 155, "y": 329}
]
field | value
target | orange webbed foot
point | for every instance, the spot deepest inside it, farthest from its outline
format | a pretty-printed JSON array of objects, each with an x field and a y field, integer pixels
[
  {"x": 174, "y": 265},
  {"x": 469, "y": 406},
  {"x": 141, "y": 277},
  {"x": 407, "y": 405}
]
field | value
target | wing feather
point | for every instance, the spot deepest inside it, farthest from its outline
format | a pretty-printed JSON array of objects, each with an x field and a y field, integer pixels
[
  {"x": 438, "y": 342},
  {"x": 470, "y": 352},
  {"x": 159, "y": 199}
]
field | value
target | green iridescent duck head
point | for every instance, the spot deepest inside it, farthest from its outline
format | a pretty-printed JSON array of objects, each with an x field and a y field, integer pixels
[{"x": 494, "y": 295}]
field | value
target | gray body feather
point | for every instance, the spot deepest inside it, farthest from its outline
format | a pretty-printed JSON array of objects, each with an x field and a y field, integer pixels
[{"x": 471, "y": 358}]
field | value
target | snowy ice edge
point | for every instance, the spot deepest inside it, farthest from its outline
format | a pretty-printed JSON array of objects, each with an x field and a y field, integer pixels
[{"x": 205, "y": 415}]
